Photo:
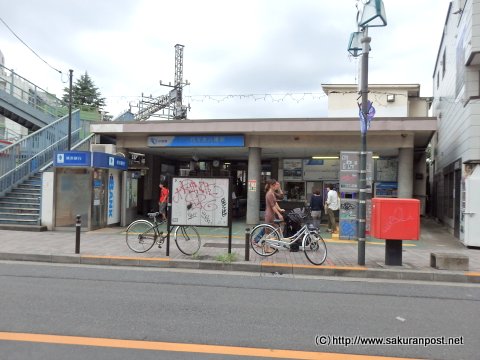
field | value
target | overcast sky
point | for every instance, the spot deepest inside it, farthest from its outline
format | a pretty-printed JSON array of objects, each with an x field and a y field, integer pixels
[{"x": 249, "y": 47}]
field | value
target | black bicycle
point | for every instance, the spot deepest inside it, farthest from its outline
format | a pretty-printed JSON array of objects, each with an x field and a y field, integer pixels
[{"x": 141, "y": 235}]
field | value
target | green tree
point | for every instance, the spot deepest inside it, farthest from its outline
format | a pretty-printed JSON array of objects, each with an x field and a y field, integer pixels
[{"x": 85, "y": 94}]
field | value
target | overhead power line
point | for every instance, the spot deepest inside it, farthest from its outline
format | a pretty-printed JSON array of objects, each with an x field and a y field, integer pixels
[{"x": 24, "y": 43}]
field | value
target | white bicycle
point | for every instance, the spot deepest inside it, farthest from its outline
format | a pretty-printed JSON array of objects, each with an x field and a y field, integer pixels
[{"x": 267, "y": 239}]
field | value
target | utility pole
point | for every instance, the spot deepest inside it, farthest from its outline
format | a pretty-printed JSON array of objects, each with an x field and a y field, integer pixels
[{"x": 362, "y": 197}]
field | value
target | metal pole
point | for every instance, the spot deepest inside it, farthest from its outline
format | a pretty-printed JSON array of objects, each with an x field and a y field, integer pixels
[
  {"x": 247, "y": 244},
  {"x": 78, "y": 225},
  {"x": 362, "y": 179},
  {"x": 70, "y": 112}
]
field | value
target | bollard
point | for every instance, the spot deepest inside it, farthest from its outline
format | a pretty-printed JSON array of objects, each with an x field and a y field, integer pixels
[
  {"x": 78, "y": 225},
  {"x": 247, "y": 244}
]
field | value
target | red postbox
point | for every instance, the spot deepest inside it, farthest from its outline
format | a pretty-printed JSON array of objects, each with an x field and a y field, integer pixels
[{"x": 395, "y": 220}]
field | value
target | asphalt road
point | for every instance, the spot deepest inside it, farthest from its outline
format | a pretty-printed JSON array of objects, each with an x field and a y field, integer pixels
[{"x": 195, "y": 315}]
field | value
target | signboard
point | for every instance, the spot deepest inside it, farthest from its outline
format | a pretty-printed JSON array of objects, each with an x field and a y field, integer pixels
[
  {"x": 350, "y": 161},
  {"x": 113, "y": 202},
  {"x": 197, "y": 141},
  {"x": 348, "y": 209},
  {"x": 252, "y": 185},
  {"x": 320, "y": 169},
  {"x": 89, "y": 159},
  {"x": 348, "y": 181},
  {"x": 108, "y": 161},
  {"x": 71, "y": 158},
  {"x": 348, "y": 229},
  {"x": 292, "y": 169},
  {"x": 350, "y": 169},
  {"x": 386, "y": 170},
  {"x": 200, "y": 201}
]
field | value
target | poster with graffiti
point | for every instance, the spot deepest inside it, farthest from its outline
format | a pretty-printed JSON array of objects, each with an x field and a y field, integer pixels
[
  {"x": 200, "y": 201},
  {"x": 348, "y": 209}
]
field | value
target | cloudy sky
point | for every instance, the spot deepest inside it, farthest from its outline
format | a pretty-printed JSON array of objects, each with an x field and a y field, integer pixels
[{"x": 271, "y": 55}]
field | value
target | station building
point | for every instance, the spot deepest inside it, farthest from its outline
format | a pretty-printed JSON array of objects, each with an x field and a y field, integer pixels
[{"x": 302, "y": 153}]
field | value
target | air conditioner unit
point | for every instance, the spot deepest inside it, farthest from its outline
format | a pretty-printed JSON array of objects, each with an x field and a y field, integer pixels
[{"x": 106, "y": 148}]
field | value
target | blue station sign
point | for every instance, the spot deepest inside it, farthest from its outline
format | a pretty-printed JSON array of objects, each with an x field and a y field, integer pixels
[
  {"x": 89, "y": 159},
  {"x": 108, "y": 161},
  {"x": 197, "y": 141},
  {"x": 72, "y": 158}
]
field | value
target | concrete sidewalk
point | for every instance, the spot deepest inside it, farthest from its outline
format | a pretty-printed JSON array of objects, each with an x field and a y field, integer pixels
[{"x": 107, "y": 247}]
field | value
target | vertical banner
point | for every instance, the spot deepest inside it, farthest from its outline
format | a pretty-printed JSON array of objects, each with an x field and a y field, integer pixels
[{"x": 113, "y": 203}]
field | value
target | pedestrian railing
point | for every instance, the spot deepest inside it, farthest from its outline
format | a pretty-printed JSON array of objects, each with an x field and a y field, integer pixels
[
  {"x": 27, "y": 156},
  {"x": 31, "y": 94}
]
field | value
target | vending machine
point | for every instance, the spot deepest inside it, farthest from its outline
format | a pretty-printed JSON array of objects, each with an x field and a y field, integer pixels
[{"x": 471, "y": 211}]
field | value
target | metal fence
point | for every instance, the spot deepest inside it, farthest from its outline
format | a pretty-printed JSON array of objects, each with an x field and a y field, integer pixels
[
  {"x": 18, "y": 161},
  {"x": 31, "y": 94}
]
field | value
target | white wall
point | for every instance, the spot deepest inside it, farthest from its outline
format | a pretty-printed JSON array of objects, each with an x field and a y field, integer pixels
[
  {"x": 48, "y": 186},
  {"x": 457, "y": 97},
  {"x": 343, "y": 101},
  {"x": 458, "y": 114}
]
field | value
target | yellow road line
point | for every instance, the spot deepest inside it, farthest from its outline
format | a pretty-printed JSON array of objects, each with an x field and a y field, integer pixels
[
  {"x": 123, "y": 257},
  {"x": 179, "y": 347},
  {"x": 472, "y": 273},
  {"x": 355, "y": 242}
]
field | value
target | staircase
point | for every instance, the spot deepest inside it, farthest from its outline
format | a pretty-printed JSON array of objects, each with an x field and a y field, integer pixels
[{"x": 20, "y": 208}]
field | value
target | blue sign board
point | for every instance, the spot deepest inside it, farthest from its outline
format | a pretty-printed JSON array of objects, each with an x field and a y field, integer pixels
[
  {"x": 71, "y": 158},
  {"x": 88, "y": 159},
  {"x": 197, "y": 141},
  {"x": 108, "y": 161}
]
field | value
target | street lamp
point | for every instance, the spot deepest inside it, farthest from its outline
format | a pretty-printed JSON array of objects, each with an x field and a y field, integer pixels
[
  {"x": 69, "y": 138},
  {"x": 372, "y": 14}
]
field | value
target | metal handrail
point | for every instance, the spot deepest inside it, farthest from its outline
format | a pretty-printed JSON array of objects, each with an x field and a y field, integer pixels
[
  {"x": 31, "y": 94},
  {"x": 18, "y": 161},
  {"x": 82, "y": 145}
]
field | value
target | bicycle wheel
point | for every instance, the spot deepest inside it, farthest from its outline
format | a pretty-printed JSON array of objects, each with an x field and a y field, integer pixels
[
  {"x": 259, "y": 239},
  {"x": 141, "y": 236},
  {"x": 187, "y": 239},
  {"x": 314, "y": 248}
]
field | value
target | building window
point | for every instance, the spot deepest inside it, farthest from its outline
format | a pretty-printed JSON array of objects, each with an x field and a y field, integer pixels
[{"x": 438, "y": 79}]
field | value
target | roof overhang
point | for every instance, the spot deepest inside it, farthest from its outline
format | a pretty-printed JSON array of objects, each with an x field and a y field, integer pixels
[{"x": 277, "y": 137}]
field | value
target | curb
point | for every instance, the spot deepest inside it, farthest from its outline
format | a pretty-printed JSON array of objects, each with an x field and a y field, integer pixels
[{"x": 262, "y": 268}]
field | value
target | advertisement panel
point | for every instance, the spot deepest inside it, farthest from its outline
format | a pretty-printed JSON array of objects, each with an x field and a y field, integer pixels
[{"x": 200, "y": 201}]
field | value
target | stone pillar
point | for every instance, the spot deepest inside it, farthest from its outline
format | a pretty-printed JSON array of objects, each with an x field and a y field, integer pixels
[
  {"x": 405, "y": 173},
  {"x": 253, "y": 185}
]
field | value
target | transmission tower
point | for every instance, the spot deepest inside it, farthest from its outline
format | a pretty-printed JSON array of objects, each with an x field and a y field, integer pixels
[{"x": 169, "y": 105}]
